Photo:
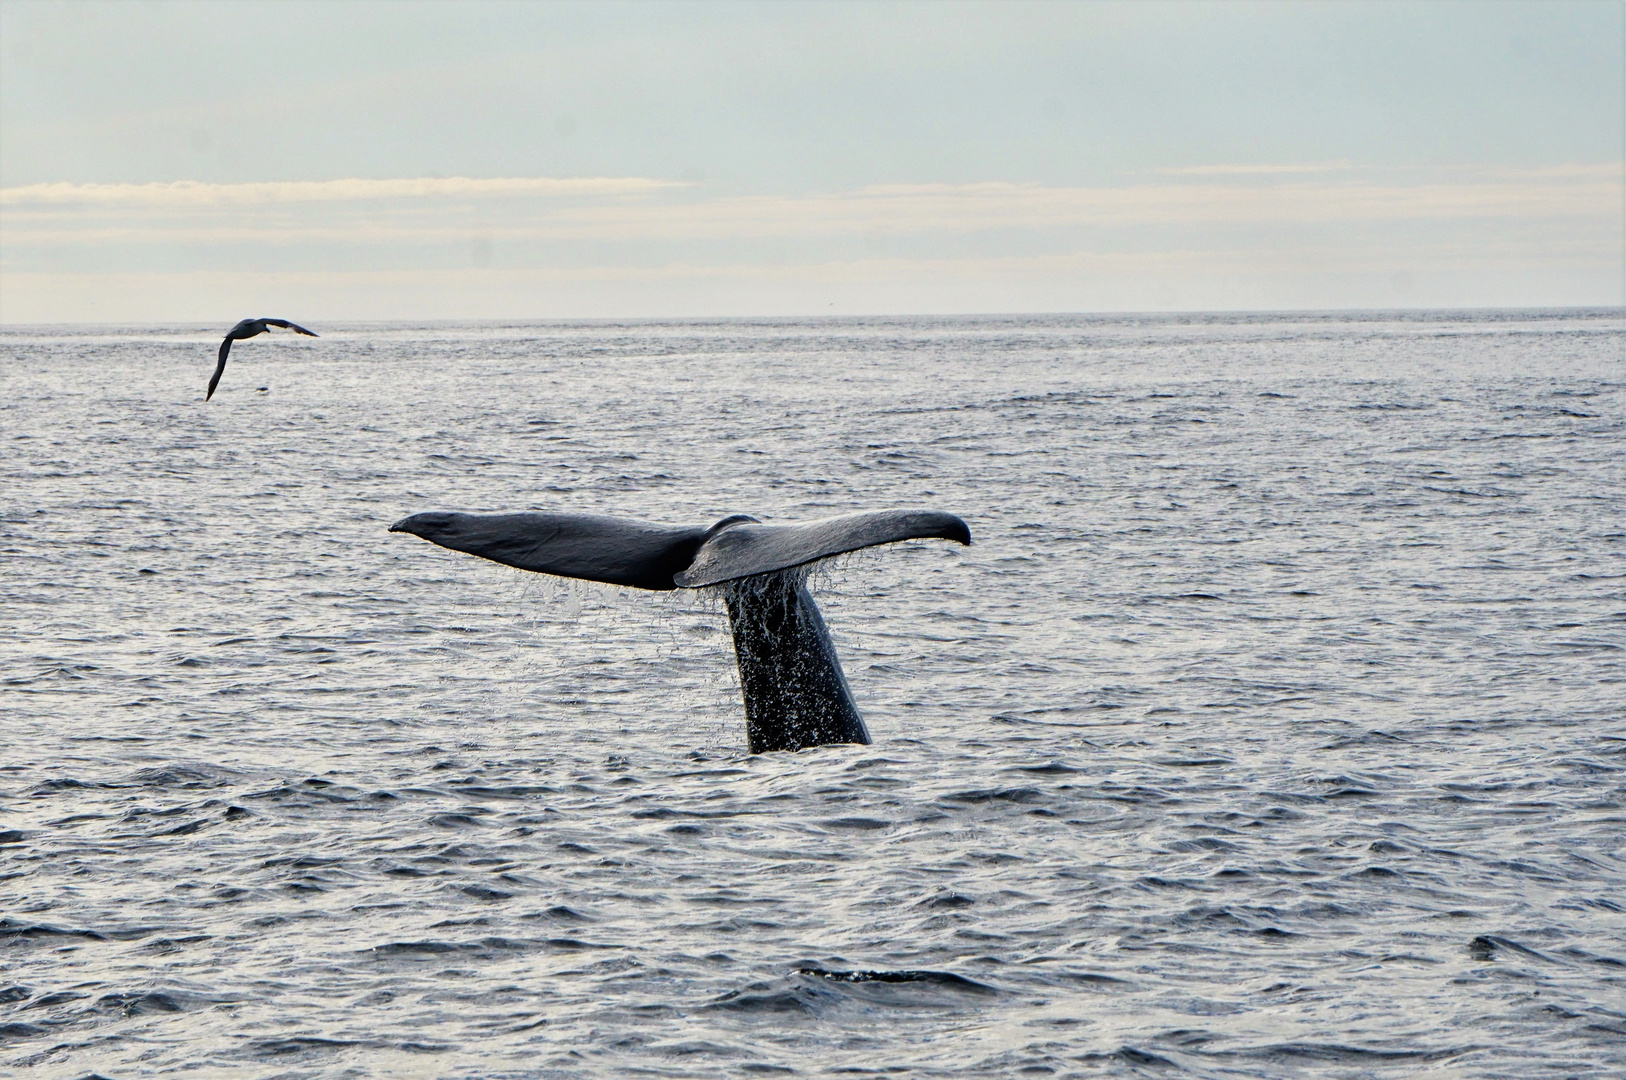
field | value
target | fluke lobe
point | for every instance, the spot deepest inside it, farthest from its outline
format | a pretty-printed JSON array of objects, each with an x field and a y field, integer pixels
[
  {"x": 795, "y": 692},
  {"x": 246, "y": 329}
]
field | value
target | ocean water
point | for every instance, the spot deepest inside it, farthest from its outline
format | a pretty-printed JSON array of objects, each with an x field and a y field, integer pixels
[{"x": 1273, "y": 726}]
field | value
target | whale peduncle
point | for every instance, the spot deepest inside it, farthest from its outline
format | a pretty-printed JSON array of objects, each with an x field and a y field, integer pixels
[{"x": 795, "y": 692}]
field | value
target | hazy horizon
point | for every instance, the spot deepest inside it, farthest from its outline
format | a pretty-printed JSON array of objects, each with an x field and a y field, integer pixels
[{"x": 209, "y": 327}]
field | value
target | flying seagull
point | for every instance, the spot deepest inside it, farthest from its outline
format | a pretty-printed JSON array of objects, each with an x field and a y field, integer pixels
[{"x": 247, "y": 329}]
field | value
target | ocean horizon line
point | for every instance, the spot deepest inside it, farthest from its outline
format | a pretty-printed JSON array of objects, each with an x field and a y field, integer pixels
[{"x": 7, "y": 326}]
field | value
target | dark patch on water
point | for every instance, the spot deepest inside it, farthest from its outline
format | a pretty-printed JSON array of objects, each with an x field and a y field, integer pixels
[{"x": 937, "y": 979}]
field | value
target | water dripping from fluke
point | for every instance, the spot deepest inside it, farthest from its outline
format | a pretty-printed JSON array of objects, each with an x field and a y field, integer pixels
[{"x": 795, "y": 692}]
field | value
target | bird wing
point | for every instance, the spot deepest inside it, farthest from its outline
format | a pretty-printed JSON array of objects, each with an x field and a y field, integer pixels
[
  {"x": 286, "y": 325},
  {"x": 214, "y": 380}
]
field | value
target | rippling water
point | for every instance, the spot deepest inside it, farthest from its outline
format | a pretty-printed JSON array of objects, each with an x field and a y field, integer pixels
[{"x": 1272, "y": 727}]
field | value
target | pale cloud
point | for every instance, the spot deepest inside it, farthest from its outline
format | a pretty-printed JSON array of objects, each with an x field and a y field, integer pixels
[
  {"x": 975, "y": 207},
  {"x": 1253, "y": 170},
  {"x": 624, "y": 246},
  {"x": 426, "y": 210},
  {"x": 184, "y": 194}
]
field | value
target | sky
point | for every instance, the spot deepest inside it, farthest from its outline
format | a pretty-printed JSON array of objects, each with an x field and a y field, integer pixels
[{"x": 357, "y": 161}]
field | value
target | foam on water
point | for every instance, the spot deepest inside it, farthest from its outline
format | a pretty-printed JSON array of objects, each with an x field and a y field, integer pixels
[{"x": 1272, "y": 726}]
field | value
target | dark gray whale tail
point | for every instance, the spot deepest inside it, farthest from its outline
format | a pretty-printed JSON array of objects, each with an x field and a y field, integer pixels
[{"x": 795, "y": 692}]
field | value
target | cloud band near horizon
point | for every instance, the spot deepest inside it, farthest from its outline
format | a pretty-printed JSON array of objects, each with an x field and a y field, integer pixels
[{"x": 1193, "y": 238}]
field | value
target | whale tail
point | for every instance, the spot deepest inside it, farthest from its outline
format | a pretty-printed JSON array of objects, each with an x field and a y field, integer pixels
[{"x": 795, "y": 692}]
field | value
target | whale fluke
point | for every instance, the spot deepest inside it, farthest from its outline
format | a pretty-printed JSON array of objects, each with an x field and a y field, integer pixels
[
  {"x": 612, "y": 550},
  {"x": 619, "y": 551},
  {"x": 748, "y": 547},
  {"x": 796, "y": 694}
]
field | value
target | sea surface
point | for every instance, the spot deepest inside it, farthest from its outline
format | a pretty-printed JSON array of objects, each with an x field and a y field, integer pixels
[{"x": 1274, "y": 725}]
